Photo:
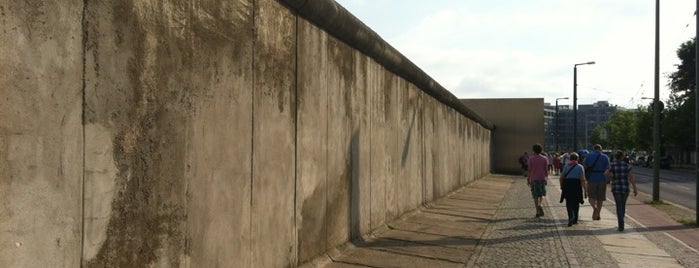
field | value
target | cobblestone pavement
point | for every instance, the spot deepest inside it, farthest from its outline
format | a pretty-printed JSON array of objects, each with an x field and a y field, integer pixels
[{"x": 518, "y": 239}]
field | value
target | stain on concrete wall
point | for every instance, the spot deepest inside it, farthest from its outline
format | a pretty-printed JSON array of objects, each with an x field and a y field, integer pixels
[
  {"x": 156, "y": 70},
  {"x": 273, "y": 226}
]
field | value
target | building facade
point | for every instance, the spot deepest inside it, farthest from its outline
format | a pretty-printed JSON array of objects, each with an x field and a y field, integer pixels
[{"x": 561, "y": 124}]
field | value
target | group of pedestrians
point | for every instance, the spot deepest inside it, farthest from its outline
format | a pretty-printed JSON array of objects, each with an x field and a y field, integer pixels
[{"x": 582, "y": 179}]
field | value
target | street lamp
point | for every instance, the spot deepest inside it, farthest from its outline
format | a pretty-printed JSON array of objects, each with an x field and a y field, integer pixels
[
  {"x": 696, "y": 114},
  {"x": 575, "y": 102},
  {"x": 556, "y": 120},
  {"x": 656, "y": 108}
]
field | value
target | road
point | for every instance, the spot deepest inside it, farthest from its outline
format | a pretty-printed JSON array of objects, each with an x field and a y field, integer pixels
[{"x": 677, "y": 185}]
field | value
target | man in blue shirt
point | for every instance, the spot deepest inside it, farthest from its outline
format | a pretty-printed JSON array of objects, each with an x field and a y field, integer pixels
[{"x": 595, "y": 165}]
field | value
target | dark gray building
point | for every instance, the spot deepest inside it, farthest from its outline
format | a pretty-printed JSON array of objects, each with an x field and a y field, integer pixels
[{"x": 561, "y": 124}]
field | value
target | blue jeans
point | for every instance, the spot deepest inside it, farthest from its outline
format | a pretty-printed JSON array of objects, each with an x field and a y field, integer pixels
[{"x": 620, "y": 200}]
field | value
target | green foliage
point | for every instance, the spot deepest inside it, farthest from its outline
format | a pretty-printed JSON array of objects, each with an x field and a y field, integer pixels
[
  {"x": 682, "y": 81},
  {"x": 688, "y": 222},
  {"x": 679, "y": 121},
  {"x": 644, "y": 128},
  {"x": 678, "y": 126},
  {"x": 620, "y": 131}
]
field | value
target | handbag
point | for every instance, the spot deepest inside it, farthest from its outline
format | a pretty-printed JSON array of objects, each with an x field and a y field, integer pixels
[{"x": 564, "y": 177}]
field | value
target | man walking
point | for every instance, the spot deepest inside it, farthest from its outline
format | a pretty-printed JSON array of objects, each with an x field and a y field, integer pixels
[
  {"x": 537, "y": 176},
  {"x": 596, "y": 163}
]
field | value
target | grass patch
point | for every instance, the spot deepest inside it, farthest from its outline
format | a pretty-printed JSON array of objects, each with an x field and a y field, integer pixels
[
  {"x": 690, "y": 223},
  {"x": 655, "y": 203},
  {"x": 681, "y": 215}
]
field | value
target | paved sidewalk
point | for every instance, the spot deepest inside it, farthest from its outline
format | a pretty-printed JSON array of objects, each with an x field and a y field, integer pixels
[{"x": 491, "y": 223}]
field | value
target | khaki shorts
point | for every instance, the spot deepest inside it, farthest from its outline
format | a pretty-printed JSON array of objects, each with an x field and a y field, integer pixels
[{"x": 597, "y": 191}]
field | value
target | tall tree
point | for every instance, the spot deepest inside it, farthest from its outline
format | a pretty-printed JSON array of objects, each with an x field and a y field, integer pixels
[
  {"x": 678, "y": 124},
  {"x": 682, "y": 81}
]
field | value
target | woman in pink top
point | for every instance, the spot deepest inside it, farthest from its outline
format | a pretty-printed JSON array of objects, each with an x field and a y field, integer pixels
[{"x": 537, "y": 176}]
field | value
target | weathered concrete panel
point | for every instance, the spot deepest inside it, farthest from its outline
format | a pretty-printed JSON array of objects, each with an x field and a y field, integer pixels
[
  {"x": 391, "y": 157},
  {"x": 360, "y": 145},
  {"x": 411, "y": 151},
  {"x": 341, "y": 146},
  {"x": 169, "y": 97},
  {"x": 136, "y": 94},
  {"x": 219, "y": 149},
  {"x": 312, "y": 146},
  {"x": 41, "y": 140},
  {"x": 274, "y": 120},
  {"x": 376, "y": 82},
  {"x": 428, "y": 141}
]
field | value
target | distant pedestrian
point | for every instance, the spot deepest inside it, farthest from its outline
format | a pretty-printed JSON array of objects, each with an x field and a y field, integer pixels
[
  {"x": 620, "y": 174},
  {"x": 551, "y": 155},
  {"x": 565, "y": 157},
  {"x": 573, "y": 188},
  {"x": 523, "y": 163},
  {"x": 596, "y": 163},
  {"x": 537, "y": 177},
  {"x": 556, "y": 164}
]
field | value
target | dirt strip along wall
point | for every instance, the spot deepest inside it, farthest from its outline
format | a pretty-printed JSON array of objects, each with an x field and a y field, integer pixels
[{"x": 249, "y": 133}]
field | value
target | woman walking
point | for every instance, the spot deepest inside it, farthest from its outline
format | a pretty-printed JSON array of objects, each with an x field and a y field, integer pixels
[
  {"x": 572, "y": 185},
  {"x": 620, "y": 174}
]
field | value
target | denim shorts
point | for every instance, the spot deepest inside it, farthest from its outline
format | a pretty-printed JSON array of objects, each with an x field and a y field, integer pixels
[{"x": 538, "y": 188}]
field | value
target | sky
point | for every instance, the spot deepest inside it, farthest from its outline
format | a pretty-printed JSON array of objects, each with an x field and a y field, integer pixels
[{"x": 527, "y": 49}]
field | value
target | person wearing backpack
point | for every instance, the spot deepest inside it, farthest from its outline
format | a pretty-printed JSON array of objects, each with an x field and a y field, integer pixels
[
  {"x": 573, "y": 188},
  {"x": 596, "y": 163}
]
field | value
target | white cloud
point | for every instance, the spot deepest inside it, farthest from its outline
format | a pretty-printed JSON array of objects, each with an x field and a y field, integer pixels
[{"x": 507, "y": 48}]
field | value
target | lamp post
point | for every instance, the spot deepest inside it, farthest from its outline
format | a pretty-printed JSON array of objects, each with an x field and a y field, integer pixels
[
  {"x": 656, "y": 108},
  {"x": 556, "y": 120},
  {"x": 575, "y": 102},
  {"x": 696, "y": 114}
]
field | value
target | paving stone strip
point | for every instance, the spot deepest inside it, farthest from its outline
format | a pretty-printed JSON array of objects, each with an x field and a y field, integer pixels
[
  {"x": 517, "y": 238},
  {"x": 444, "y": 233}
]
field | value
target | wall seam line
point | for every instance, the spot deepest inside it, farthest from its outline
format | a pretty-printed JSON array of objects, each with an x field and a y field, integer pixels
[
  {"x": 324, "y": 47},
  {"x": 252, "y": 130},
  {"x": 296, "y": 135},
  {"x": 82, "y": 118}
]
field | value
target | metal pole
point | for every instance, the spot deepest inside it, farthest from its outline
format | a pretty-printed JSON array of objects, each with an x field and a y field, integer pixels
[
  {"x": 696, "y": 112},
  {"x": 656, "y": 109},
  {"x": 555, "y": 130},
  {"x": 575, "y": 107}
]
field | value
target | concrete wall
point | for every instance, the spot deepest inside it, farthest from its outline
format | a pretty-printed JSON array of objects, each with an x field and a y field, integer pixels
[
  {"x": 213, "y": 133},
  {"x": 41, "y": 133},
  {"x": 519, "y": 127}
]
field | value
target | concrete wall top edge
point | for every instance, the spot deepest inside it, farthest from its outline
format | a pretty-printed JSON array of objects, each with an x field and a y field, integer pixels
[{"x": 340, "y": 23}]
